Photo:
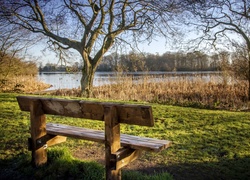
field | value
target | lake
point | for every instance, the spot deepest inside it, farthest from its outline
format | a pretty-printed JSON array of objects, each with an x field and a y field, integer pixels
[{"x": 62, "y": 80}]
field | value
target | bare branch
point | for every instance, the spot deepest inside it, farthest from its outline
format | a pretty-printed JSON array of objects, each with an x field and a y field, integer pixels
[{"x": 91, "y": 26}]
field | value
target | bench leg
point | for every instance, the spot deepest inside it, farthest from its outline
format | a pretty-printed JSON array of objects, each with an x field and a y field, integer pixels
[
  {"x": 112, "y": 142},
  {"x": 38, "y": 130}
]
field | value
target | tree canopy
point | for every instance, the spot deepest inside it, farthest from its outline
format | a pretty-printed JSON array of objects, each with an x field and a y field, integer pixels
[
  {"x": 91, "y": 27},
  {"x": 224, "y": 24}
]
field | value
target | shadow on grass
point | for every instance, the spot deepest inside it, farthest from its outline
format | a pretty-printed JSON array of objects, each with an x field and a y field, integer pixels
[
  {"x": 61, "y": 165},
  {"x": 227, "y": 169}
]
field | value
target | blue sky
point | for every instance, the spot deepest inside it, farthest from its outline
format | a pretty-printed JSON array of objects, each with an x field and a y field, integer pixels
[{"x": 158, "y": 46}]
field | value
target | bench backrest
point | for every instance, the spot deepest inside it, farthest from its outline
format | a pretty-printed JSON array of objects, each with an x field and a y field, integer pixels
[{"x": 126, "y": 113}]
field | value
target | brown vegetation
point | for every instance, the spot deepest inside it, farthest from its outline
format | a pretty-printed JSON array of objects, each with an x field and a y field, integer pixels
[
  {"x": 215, "y": 94},
  {"x": 22, "y": 84},
  {"x": 11, "y": 66},
  {"x": 17, "y": 75}
]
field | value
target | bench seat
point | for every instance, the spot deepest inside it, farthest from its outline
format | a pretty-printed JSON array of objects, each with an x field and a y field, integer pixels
[
  {"x": 134, "y": 142},
  {"x": 120, "y": 149}
]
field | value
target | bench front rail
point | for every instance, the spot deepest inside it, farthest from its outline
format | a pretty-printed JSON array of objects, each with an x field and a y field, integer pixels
[{"x": 120, "y": 149}]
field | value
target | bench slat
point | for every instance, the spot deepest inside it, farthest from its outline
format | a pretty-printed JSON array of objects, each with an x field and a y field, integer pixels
[
  {"x": 135, "y": 142},
  {"x": 127, "y": 113}
]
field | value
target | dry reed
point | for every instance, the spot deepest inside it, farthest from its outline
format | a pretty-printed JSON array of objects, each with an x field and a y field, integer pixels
[
  {"x": 213, "y": 94},
  {"x": 27, "y": 84}
]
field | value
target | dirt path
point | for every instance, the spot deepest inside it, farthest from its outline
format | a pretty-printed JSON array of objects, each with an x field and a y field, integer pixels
[
  {"x": 179, "y": 171},
  {"x": 97, "y": 153}
]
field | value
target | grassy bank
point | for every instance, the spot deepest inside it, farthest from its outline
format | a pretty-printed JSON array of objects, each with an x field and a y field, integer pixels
[{"x": 207, "y": 144}]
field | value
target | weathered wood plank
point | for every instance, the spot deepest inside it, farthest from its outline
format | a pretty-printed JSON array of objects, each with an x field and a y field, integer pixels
[
  {"x": 120, "y": 149},
  {"x": 112, "y": 142},
  {"x": 38, "y": 130},
  {"x": 75, "y": 132},
  {"x": 56, "y": 140},
  {"x": 124, "y": 156},
  {"x": 129, "y": 114},
  {"x": 134, "y": 142}
]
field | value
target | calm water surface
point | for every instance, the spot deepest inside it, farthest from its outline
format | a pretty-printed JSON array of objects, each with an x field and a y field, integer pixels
[{"x": 61, "y": 80}]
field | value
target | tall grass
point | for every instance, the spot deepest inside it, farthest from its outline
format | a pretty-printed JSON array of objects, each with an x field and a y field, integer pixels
[
  {"x": 183, "y": 91},
  {"x": 215, "y": 93},
  {"x": 22, "y": 84}
]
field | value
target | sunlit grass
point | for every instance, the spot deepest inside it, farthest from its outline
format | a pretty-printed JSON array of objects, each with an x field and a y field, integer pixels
[{"x": 206, "y": 143}]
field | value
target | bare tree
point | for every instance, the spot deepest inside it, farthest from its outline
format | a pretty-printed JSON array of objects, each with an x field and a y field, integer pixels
[
  {"x": 91, "y": 27},
  {"x": 14, "y": 42},
  {"x": 221, "y": 23},
  {"x": 240, "y": 60}
]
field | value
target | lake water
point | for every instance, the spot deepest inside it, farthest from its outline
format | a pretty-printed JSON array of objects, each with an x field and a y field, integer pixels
[{"x": 62, "y": 80}]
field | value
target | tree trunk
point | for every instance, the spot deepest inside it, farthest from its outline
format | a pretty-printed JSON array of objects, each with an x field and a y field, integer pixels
[
  {"x": 88, "y": 73},
  {"x": 249, "y": 76}
]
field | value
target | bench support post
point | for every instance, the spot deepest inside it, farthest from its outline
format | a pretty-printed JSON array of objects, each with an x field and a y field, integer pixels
[
  {"x": 46, "y": 141},
  {"x": 112, "y": 142},
  {"x": 38, "y": 130},
  {"x": 124, "y": 156}
]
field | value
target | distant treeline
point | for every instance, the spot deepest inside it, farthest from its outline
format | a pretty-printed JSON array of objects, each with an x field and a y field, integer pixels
[
  {"x": 134, "y": 62},
  {"x": 51, "y": 67}
]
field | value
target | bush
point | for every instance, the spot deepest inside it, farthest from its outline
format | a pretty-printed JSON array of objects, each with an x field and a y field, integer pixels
[{"x": 14, "y": 66}]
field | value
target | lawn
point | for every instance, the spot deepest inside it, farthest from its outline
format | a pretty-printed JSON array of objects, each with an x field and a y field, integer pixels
[{"x": 207, "y": 144}]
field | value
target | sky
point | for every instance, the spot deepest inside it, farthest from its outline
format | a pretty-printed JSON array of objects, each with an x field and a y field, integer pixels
[{"x": 157, "y": 46}]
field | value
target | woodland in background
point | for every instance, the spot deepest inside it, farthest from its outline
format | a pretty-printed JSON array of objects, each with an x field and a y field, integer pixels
[
  {"x": 169, "y": 61},
  {"x": 134, "y": 62}
]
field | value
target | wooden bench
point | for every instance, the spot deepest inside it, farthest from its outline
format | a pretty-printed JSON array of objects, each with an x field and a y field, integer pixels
[{"x": 120, "y": 149}]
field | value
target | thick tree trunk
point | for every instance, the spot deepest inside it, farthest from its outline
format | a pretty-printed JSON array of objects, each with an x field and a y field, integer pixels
[
  {"x": 87, "y": 79},
  {"x": 249, "y": 76},
  {"x": 90, "y": 65}
]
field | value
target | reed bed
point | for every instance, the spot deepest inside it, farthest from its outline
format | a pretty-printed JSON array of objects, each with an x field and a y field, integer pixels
[
  {"x": 26, "y": 84},
  {"x": 215, "y": 93}
]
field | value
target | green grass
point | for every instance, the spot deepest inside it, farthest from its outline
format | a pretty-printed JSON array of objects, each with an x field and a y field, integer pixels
[
  {"x": 61, "y": 165},
  {"x": 207, "y": 144}
]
